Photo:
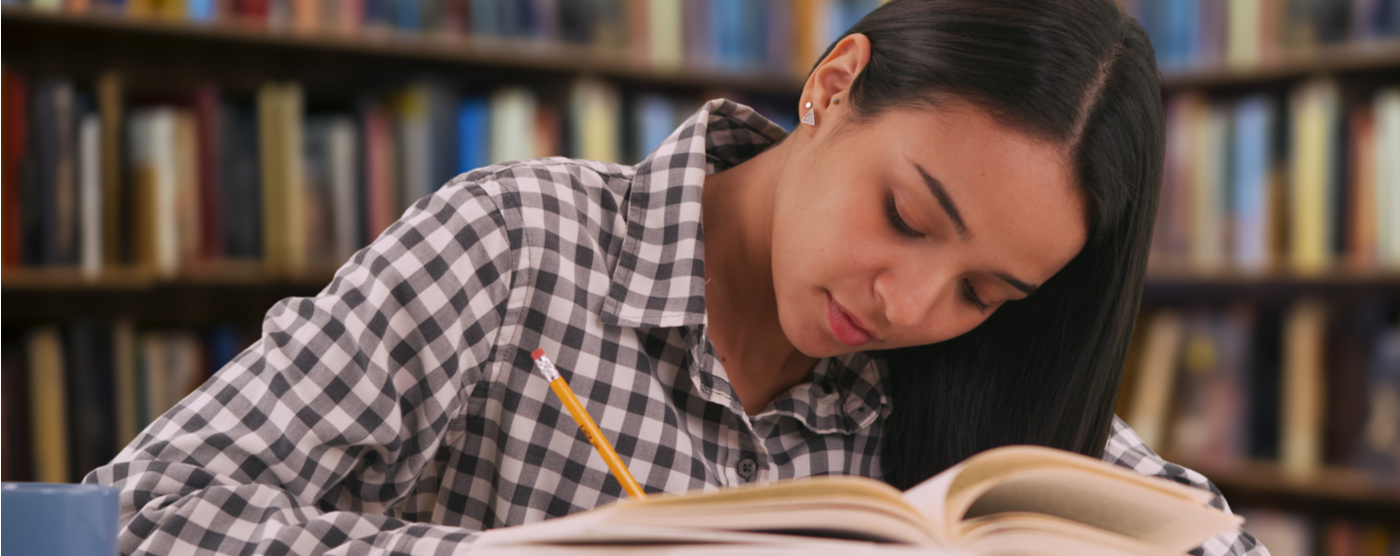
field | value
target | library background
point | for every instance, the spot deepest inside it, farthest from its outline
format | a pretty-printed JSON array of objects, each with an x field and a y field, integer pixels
[{"x": 172, "y": 168}]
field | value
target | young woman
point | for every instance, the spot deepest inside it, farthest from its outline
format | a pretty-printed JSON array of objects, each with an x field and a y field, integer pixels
[{"x": 946, "y": 256}]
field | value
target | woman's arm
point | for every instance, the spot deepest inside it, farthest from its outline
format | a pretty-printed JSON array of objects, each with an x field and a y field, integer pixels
[
  {"x": 1125, "y": 448},
  {"x": 304, "y": 441}
]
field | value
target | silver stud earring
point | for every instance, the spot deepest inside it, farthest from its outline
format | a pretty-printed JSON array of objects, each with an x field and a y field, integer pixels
[{"x": 811, "y": 117}]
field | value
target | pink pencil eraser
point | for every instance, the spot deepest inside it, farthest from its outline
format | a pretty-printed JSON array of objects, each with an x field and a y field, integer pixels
[{"x": 537, "y": 354}]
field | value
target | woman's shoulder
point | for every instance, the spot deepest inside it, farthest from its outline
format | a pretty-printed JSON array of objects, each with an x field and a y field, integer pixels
[
  {"x": 545, "y": 192},
  {"x": 1127, "y": 449},
  {"x": 562, "y": 214},
  {"x": 554, "y": 177}
]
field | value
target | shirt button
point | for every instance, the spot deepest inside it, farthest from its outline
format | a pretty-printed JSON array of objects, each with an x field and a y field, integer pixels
[{"x": 747, "y": 469}]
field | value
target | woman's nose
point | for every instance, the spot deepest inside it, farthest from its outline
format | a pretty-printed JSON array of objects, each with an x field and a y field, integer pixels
[{"x": 911, "y": 295}]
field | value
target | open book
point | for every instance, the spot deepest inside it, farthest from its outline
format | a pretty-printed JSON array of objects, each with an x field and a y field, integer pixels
[{"x": 1010, "y": 500}]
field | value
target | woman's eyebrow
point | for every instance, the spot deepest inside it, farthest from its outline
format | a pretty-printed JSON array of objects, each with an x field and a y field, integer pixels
[
  {"x": 941, "y": 193},
  {"x": 949, "y": 207}
]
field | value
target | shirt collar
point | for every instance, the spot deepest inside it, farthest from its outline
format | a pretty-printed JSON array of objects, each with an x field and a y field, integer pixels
[{"x": 660, "y": 276}]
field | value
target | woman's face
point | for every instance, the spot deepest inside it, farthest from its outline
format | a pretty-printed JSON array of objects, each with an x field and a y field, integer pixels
[{"x": 914, "y": 228}]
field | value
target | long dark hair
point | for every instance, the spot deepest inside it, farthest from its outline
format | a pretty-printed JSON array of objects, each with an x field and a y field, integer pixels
[{"x": 1044, "y": 370}]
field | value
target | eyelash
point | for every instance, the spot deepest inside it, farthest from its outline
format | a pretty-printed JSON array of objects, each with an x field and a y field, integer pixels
[
  {"x": 970, "y": 294},
  {"x": 898, "y": 223}
]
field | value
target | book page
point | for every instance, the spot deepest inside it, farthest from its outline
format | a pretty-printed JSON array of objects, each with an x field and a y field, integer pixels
[
  {"x": 1028, "y": 533},
  {"x": 1070, "y": 486},
  {"x": 989, "y": 465},
  {"x": 931, "y": 498},
  {"x": 825, "y": 507},
  {"x": 837, "y": 517},
  {"x": 1100, "y": 501}
]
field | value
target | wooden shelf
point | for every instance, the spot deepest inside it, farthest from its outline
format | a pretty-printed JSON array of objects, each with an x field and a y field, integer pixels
[
  {"x": 1229, "y": 286},
  {"x": 29, "y": 33},
  {"x": 1375, "y": 57},
  {"x": 247, "y": 274},
  {"x": 1253, "y": 482}
]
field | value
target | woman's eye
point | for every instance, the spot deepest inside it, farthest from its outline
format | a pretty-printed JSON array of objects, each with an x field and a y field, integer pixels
[
  {"x": 970, "y": 294},
  {"x": 892, "y": 211}
]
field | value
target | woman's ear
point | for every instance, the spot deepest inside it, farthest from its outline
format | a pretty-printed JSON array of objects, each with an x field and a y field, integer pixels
[{"x": 834, "y": 75}]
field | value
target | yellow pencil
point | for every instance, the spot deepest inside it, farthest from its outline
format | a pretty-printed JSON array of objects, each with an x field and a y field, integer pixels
[{"x": 590, "y": 429}]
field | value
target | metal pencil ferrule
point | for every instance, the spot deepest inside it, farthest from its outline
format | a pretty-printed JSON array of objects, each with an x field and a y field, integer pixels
[{"x": 547, "y": 367}]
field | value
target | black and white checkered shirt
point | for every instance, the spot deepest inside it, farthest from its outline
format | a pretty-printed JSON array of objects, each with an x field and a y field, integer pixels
[{"x": 397, "y": 411}]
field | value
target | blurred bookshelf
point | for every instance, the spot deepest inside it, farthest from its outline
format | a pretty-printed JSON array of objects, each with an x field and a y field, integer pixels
[
  {"x": 1272, "y": 232},
  {"x": 174, "y": 168},
  {"x": 90, "y": 34},
  {"x": 1370, "y": 59},
  {"x": 1267, "y": 352}
]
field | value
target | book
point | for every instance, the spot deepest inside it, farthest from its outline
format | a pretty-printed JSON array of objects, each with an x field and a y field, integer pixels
[
  {"x": 16, "y": 463},
  {"x": 206, "y": 103},
  {"x": 187, "y": 194},
  {"x": 379, "y": 176},
  {"x": 1251, "y": 195},
  {"x": 90, "y": 194},
  {"x": 1315, "y": 110},
  {"x": 512, "y": 129},
  {"x": 345, "y": 212},
  {"x": 654, "y": 120},
  {"x": 1155, "y": 380},
  {"x": 15, "y": 105},
  {"x": 473, "y": 128},
  {"x": 283, "y": 190},
  {"x": 1211, "y": 393},
  {"x": 1264, "y": 379},
  {"x": 116, "y": 217},
  {"x": 1380, "y": 445},
  {"x": 88, "y": 376},
  {"x": 154, "y": 166},
  {"x": 1361, "y": 187},
  {"x": 1303, "y": 408},
  {"x": 1011, "y": 499},
  {"x": 594, "y": 114},
  {"x": 321, "y": 231},
  {"x": 48, "y": 416},
  {"x": 664, "y": 34},
  {"x": 1387, "y": 110},
  {"x": 126, "y": 382},
  {"x": 414, "y": 138},
  {"x": 1208, "y": 191},
  {"x": 241, "y": 216}
]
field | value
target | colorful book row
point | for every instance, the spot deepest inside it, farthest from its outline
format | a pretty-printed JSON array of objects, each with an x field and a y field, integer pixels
[
  {"x": 1307, "y": 385},
  {"x": 76, "y": 393},
  {"x": 1301, "y": 182},
  {"x": 93, "y": 179},
  {"x": 1247, "y": 33},
  {"x": 1297, "y": 534},
  {"x": 740, "y": 35}
]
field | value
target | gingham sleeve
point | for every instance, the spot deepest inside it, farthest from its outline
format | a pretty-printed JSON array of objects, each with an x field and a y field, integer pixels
[
  {"x": 1127, "y": 449},
  {"x": 305, "y": 440}
]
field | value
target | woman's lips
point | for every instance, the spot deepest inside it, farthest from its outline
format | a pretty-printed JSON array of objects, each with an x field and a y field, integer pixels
[{"x": 843, "y": 326}]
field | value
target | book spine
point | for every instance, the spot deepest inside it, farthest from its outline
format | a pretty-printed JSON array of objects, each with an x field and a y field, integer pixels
[
  {"x": 1388, "y": 177},
  {"x": 1302, "y": 393},
  {"x": 116, "y": 232},
  {"x": 207, "y": 111},
  {"x": 126, "y": 383},
  {"x": 90, "y": 194},
  {"x": 14, "y": 102},
  {"x": 47, "y": 395}
]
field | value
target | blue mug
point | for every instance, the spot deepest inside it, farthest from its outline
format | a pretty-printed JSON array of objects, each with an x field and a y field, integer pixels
[{"x": 46, "y": 518}]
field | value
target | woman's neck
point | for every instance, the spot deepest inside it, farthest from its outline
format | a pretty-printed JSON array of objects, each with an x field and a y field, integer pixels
[{"x": 737, "y": 208}]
